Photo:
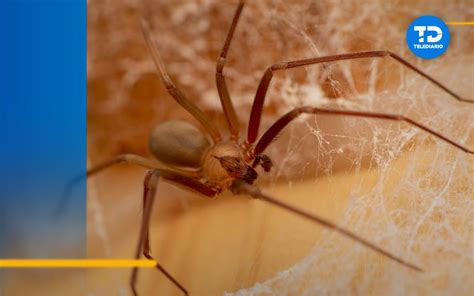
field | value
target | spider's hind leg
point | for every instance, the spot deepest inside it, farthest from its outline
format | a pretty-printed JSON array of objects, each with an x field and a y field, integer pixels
[
  {"x": 123, "y": 158},
  {"x": 149, "y": 192}
]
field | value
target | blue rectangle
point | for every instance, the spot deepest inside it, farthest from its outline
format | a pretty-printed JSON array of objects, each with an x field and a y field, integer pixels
[{"x": 42, "y": 128}]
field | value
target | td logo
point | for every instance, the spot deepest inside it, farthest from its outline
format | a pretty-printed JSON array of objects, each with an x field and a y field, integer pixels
[
  {"x": 421, "y": 32},
  {"x": 428, "y": 37}
]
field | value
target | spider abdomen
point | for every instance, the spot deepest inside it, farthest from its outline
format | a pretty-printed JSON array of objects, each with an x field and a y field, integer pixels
[{"x": 178, "y": 143}]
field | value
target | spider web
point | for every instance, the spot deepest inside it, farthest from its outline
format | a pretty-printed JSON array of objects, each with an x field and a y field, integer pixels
[{"x": 410, "y": 192}]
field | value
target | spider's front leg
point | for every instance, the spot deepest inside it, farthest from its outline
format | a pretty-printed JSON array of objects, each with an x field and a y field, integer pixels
[
  {"x": 280, "y": 124},
  {"x": 149, "y": 191},
  {"x": 226, "y": 102},
  {"x": 241, "y": 187}
]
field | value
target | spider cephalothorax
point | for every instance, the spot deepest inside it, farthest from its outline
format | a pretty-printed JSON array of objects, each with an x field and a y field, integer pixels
[{"x": 225, "y": 162}]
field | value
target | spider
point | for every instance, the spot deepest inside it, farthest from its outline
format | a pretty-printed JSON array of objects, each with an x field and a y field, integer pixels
[{"x": 210, "y": 164}]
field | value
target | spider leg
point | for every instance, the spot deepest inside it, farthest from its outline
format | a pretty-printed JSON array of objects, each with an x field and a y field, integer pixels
[
  {"x": 136, "y": 160},
  {"x": 257, "y": 107},
  {"x": 149, "y": 192},
  {"x": 280, "y": 124},
  {"x": 173, "y": 90},
  {"x": 229, "y": 111},
  {"x": 240, "y": 187},
  {"x": 123, "y": 158}
]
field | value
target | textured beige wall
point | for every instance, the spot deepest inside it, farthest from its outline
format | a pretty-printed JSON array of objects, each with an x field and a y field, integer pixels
[{"x": 390, "y": 183}]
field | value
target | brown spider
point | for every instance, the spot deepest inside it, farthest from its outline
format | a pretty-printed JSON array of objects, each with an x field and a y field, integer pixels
[{"x": 210, "y": 166}]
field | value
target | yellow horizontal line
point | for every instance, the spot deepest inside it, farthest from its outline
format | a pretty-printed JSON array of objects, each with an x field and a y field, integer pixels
[
  {"x": 461, "y": 23},
  {"x": 75, "y": 263}
]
